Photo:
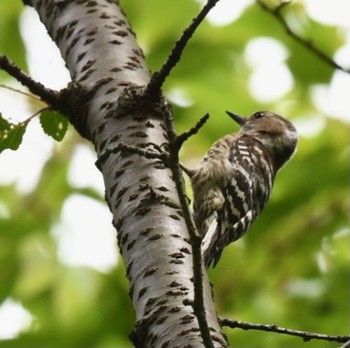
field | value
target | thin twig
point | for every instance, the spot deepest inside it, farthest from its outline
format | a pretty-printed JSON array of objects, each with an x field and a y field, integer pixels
[
  {"x": 20, "y": 92},
  {"x": 276, "y": 12},
  {"x": 306, "y": 336},
  {"x": 47, "y": 95},
  {"x": 180, "y": 139},
  {"x": 159, "y": 77},
  {"x": 198, "y": 302}
]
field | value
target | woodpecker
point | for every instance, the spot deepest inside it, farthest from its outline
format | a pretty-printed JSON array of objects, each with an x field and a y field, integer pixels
[{"x": 234, "y": 180}]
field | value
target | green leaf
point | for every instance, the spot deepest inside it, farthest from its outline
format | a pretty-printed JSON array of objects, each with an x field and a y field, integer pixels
[
  {"x": 11, "y": 135},
  {"x": 4, "y": 124},
  {"x": 54, "y": 124}
]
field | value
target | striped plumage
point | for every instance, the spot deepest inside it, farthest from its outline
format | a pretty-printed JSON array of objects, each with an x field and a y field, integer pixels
[{"x": 234, "y": 180}]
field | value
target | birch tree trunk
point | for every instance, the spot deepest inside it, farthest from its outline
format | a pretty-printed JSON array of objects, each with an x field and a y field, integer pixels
[{"x": 108, "y": 72}]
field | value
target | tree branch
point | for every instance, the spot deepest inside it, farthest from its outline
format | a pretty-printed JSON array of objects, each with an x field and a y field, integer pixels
[
  {"x": 196, "y": 240},
  {"x": 47, "y": 95},
  {"x": 306, "y": 336},
  {"x": 159, "y": 77},
  {"x": 346, "y": 344},
  {"x": 180, "y": 139},
  {"x": 276, "y": 12}
]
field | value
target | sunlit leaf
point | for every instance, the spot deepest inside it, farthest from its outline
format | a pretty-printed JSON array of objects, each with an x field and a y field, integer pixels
[
  {"x": 4, "y": 124},
  {"x": 54, "y": 124},
  {"x": 11, "y": 135}
]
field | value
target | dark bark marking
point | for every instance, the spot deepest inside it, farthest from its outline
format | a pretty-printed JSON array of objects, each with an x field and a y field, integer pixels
[
  {"x": 121, "y": 22},
  {"x": 124, "y": 239},
  {"x": 144, "y": 178},
  {"x": 143, "y": 211},
  {"x": 127, "y": 163},
  {"x": 118, "y": 173},
  {"x": 103, "y": 144},
  {"x": 174, "y": 284},
  {"x": 174, "y": 293},
  {"x": 165, "y": 344},
  {"x": 162, "y": 188},
  {"x": 92, "y": 32},
  {"x": 115, "y": 42},
  {"x": 81, "y": 56},
  {"x": 105, "y": 16},
  {"x": 138, "y": 134},
  {"x": 112, "y": 189},
  {"x": 60, "y": 32},
  {"x": 187, "y": 319},
  {"x": 176, "y": 256},
  {"x": 141, "y": 293},
  {"x": 155, "y": 237},
  {"x": 177, "y": 262},
  {"x": 124, "y": 84},
  {"x": 87, "y": 74},
  {"x": 144, "y": 187},
  {"x": 174, "y": 309},
  {"x": 131, "y": 292},
  {"x": 171, "y": 272},
  {"x": 104, "y": 81},
  {"x": 91, "y": 4},
  {"x": 146, "y": 231},
  {"x": 161, "y": 320},
  {"x": 134, "y": 59},
  {"x": 130, "y": 245},
  {"x": 88, "y": 65},
  {"x": 185, "y": 250},
  {"x": 159, "y": 165},
  {"x": 88, "y": 41},
  {"x": 111, "y": 90},
  {"x": 93, "y": 10},
  {"x": 121, "y": 33},
  {"x": 133, "y": 196},
  {"x": 128, "y": 267},
  {"x": 150, "y": 272},
  {"x": 151, "y": 301},
  {"x": 122, "y": 191},
  {"x": 118, "y": 224},
  {"x": 101, "y": 127}
]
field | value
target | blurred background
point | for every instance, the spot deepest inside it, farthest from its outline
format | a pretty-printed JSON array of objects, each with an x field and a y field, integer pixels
[{"x": 61, "y": 279}]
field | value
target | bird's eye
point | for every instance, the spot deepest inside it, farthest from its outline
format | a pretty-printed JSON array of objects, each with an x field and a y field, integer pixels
[{"x": 259, "y": 114}]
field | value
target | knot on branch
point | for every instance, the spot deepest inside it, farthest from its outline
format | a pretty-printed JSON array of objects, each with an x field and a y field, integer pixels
[
  {"x": 74, "y": 101},
  {"x": 135, "y": 101}
]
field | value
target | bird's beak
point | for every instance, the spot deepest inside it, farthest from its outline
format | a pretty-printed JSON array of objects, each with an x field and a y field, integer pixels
[{"x": 240, "y": 120}]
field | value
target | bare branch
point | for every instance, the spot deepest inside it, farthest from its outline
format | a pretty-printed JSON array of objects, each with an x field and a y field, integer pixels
[
  {"x": 159, "y": 77},
  {"x": 47, "y": 95},
  {"x": 306, "y": 336},
  {"x": 196, "y": 241},
  {"x": 180, "y": 139},
  {"x": 276, "y": 12}
]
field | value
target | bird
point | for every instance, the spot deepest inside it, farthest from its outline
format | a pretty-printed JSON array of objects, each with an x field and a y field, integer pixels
[{"x": 233, "y": 182}]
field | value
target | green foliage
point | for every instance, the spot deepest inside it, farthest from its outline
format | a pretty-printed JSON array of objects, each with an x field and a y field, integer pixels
[
  {"x": 54, "y": 124},
  {"x": 11, "y": 134},
  {"x": 291, "y": 269},
  {"x": 10, "y": 40}
]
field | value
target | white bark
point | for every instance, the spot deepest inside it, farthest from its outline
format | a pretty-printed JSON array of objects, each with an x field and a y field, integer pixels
[{"x": 102, "y": 56}]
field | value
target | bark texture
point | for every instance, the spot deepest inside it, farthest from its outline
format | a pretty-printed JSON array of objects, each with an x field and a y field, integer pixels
[{"x": 109, "y": 72}]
